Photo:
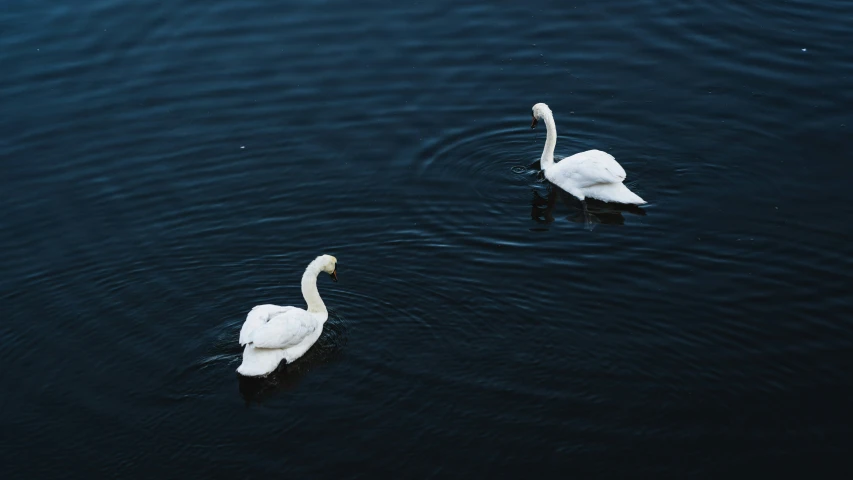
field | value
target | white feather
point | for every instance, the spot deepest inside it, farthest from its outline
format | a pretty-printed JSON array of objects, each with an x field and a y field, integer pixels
[
  {"x": 257, "y": 317},
  {"x": 285, "y": 329}
]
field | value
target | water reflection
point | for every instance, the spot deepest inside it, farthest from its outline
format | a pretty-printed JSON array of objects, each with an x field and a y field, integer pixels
[
  {"x": 542, "y": 209},
  {"x": 328, "y": 349}
]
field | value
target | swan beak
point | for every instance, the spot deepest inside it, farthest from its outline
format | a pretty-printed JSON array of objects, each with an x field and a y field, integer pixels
[
  {"x": 533, "y": 125},
  {"x": 334, "y": 275}
]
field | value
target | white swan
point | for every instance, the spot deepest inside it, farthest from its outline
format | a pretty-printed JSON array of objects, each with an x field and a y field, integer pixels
[
  {"x": 272, "y": 333},
  {"x": 593, "y": 173}
]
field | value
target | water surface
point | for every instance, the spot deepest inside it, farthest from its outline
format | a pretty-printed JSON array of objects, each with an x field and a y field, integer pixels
[{"x": 167, "y": 166}]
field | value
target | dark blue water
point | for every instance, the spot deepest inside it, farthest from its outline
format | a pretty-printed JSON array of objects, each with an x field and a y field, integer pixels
[{"x": 168, "y": 165}]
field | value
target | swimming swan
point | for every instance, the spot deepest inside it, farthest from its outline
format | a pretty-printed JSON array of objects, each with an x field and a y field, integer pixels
[
  {"x": 593, "y": 173},
  {"x": 272, "y": 333}
]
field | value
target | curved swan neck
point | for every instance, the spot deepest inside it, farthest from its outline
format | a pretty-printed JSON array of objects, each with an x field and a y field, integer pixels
[
  {"x": 309, "y": 289},
  {"x": 547, "y": 158}
]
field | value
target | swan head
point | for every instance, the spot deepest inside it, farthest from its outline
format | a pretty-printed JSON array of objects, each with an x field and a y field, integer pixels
[
  {"x": 329, "y": 264},
  {"x": 540, "y": 110}
]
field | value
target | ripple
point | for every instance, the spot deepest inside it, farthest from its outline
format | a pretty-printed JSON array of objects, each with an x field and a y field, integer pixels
[{"x": 474, "y": 152}]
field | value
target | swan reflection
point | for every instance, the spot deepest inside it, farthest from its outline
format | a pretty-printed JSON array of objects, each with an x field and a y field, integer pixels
[
  {"x": 596, "y": 212},
  {"x": 327, "y": 349}
]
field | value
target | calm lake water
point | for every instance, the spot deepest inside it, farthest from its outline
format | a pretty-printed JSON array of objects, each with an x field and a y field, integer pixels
[{"x": 168, "y": 165}]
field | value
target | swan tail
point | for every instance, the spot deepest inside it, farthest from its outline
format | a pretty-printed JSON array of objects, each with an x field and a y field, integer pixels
[
  {"x": 614, "y": 193},
  {"x": 258, "y": 362}
]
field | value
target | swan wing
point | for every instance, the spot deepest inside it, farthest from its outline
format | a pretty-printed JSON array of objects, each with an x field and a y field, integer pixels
[
  {"x": 258, "y": 317},
  {"x": 591, "y": 167},
  {"x": 285, "y": 329}
]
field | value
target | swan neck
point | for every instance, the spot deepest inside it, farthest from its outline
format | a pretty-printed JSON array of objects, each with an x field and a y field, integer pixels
[
  {"x": 309, "y": 290},
  {"x": 550, "y": 142}
]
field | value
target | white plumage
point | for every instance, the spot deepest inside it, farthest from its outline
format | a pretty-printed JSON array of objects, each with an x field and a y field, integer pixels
[
  {"x": 272, "y": 333},
  {"x": 593, "y": 173}
]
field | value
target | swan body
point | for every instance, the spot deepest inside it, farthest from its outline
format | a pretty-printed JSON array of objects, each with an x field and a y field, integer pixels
[
  {"x": 272, "y": 333},
  {"x": 593, "y": 173}
]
